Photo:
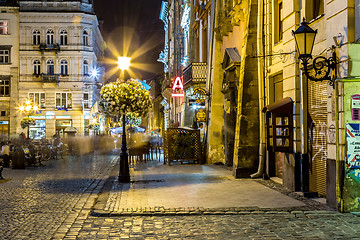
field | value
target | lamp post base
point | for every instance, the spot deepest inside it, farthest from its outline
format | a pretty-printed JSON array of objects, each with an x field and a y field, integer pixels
[
  {"x": 124, "y": 179},
  {"x": 124, "y": 173}
]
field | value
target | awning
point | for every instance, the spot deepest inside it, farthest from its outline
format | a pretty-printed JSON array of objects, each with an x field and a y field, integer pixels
[
  {"x": 284, "y": 105},
  {"x": 70, "y": 129}
]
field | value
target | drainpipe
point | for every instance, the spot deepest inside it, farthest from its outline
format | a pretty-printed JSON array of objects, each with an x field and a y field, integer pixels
[
  {"x": 210, "y": 71},
  {"x": 261, "y": 83}
]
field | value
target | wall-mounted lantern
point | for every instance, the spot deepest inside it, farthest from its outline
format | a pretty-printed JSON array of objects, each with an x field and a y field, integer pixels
[{"x": 321, "y": 66}]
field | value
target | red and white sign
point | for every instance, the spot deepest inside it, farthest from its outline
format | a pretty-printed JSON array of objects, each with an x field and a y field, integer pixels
[{"x": 178, "y": 88}]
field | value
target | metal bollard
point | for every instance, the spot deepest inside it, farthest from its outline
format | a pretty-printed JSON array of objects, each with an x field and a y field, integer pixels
[{"x": 1, "y": 169}]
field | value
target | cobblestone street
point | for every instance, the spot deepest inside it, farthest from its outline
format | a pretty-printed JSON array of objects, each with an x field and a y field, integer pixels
[
  {"x": 58, "y": 201},
  {"x": 246, "y": 225},
  {"x": 41, "y": 202}
]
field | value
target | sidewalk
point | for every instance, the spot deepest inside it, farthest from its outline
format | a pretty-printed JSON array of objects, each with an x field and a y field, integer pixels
[{"x": 156, "y": 188}]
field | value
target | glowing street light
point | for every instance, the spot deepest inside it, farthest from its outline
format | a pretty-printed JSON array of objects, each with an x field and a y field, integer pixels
[
  {"x": 28, "y": 109},
  {"x": 124, "y": 63}
]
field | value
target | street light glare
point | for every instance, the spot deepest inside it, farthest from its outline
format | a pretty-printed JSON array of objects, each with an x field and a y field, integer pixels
[
  {"x": 21, "y": 108},
  {"x": 35, "y": 108},
  {"x": 124, "y": 63}
]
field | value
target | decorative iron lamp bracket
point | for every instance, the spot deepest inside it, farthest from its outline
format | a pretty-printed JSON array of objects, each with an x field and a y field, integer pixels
[{"x": 321, "y": 67}]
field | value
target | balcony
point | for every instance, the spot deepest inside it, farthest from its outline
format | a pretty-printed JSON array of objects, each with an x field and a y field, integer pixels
[
  {"x": 49, "y": 47},
  {"x": 50, "y": 78},
  {"x": 195, "y": 73}
]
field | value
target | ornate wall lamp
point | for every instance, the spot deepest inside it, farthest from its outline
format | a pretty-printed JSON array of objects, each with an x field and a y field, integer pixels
[{"x": 321, "y": 66}]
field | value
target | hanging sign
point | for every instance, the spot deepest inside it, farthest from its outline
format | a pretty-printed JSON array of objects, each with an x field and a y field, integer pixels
[
  {"x": 200, "y": 115},
  {"x": 353, "y": 145},
  {"x": 178, "y": 88},
  {"x": 200, "y": 95}
]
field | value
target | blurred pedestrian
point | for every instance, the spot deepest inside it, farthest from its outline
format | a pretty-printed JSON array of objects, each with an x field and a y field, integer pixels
[{"x": 5, "y": 153}]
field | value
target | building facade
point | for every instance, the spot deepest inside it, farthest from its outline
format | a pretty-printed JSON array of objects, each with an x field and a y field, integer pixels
[
  {"x": 266, "y": 118},
  {"x": 60, "y": 49},
  {"x": 9, "y": 65}
]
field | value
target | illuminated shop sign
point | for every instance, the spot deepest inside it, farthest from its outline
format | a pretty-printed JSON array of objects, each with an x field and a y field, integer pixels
[
  {"x": 4, "y": 122},
  {"x": 63, "y": 117},
  {"x": 178, "y": 88}
]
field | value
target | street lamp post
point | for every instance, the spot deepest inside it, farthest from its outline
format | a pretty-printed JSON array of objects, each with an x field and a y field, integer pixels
[
  {"x": 320, "y": 70},
  {"x": 28, "y": 109},
  {"x": 124, "y": 173}
]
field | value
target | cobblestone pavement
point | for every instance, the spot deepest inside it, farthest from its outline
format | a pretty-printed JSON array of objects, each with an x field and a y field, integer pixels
[
  {"x": 244, "y": 225},
  {"x": 44, "y": 202},
  {"x": 56, "y": 202}
]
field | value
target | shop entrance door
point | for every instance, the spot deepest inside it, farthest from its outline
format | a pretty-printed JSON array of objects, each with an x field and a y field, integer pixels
[{"x": 61, "y": 124}]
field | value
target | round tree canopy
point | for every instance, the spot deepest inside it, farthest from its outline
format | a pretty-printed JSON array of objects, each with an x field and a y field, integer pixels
[{"x": 122, "y": 97}]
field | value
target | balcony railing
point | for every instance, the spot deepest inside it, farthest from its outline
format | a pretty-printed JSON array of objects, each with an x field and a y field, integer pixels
[
  {"x": 195, "y": 73},
  {"x": 49, "y": 47},
  {"x": 50, "y": 78}
]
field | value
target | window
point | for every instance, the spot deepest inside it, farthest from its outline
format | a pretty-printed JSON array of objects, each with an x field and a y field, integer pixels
[
  {"x": 50, "y": 67},
  {"x": 50, "y": 36},
  {"x": 36, "y": 37},
  {"x": 4, "y": 56},
  {"x": 314, "y": 9},
  {"x": 86, "y": 67},
  {"x": 36, "y": 65},
  {"x": 63, "y": 67},
  {"x": 63, "y": 37},
  {"x": 276, "y": 88},
  {"x": 85, "y": 38},
  {"x": 63, "y": 100},
  {"x": 38, "y": 99},
  {"x": 86, "y": 100},
  {"x": 3, "y": 113},
  {"x": 318, "y": 8},
  {"x": 4, "y": 27},
  {"x": 278, "y": 20},
  {"x": 5, "y": 87}
]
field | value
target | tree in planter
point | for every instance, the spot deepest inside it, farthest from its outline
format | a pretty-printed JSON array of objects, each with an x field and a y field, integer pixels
[
  {"x": 119, "y": 99},
  {"x": 26, "y": 122}
]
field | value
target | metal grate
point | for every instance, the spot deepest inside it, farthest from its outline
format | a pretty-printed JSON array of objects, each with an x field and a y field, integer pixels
[
  {"x": 318, "y": 136},
  {"x": 182, "y": 145}
]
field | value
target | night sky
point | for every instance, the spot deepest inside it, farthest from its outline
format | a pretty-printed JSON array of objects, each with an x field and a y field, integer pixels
[{"x": 136, "y": 18}]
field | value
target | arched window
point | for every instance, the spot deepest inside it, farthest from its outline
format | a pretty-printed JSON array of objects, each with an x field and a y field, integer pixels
[
  {"x": 36, "y": 37},
  {"x": 86, "y": 67},
  {"x": 50, "y": 67},
  {"x": 50, "y": 36},
  {"x": 63, "y": 67},
  {"x": 63, "y": 37},
  {"x": 36, "y": 65},
  {"x": 85, "y": 38}
]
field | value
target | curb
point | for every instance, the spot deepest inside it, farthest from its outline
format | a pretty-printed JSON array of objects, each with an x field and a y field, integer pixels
[{"x": 214, "y": 211}]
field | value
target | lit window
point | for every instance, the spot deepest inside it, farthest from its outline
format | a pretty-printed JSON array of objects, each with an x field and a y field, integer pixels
[
  {"x": 86, "y": 68},
  {"x": 50, "y": 67},
  {"x": 4, "y": 87},
  {"x": 86, "y": 100},
  {"x": 63, "y": 67},
  {"x": 63, "y": 100},
  {"x": 50, "y": 36},
  {"x": 4, "y": 27},
  {"x": 36, "y": 65},
  {"x": 36, "y": 37},
  {"x": 4, "y": 56},
  {"x": 63, "y": 37},
  {"x": 38, "y": 99},
  {"x": 85, "y": 38}
]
